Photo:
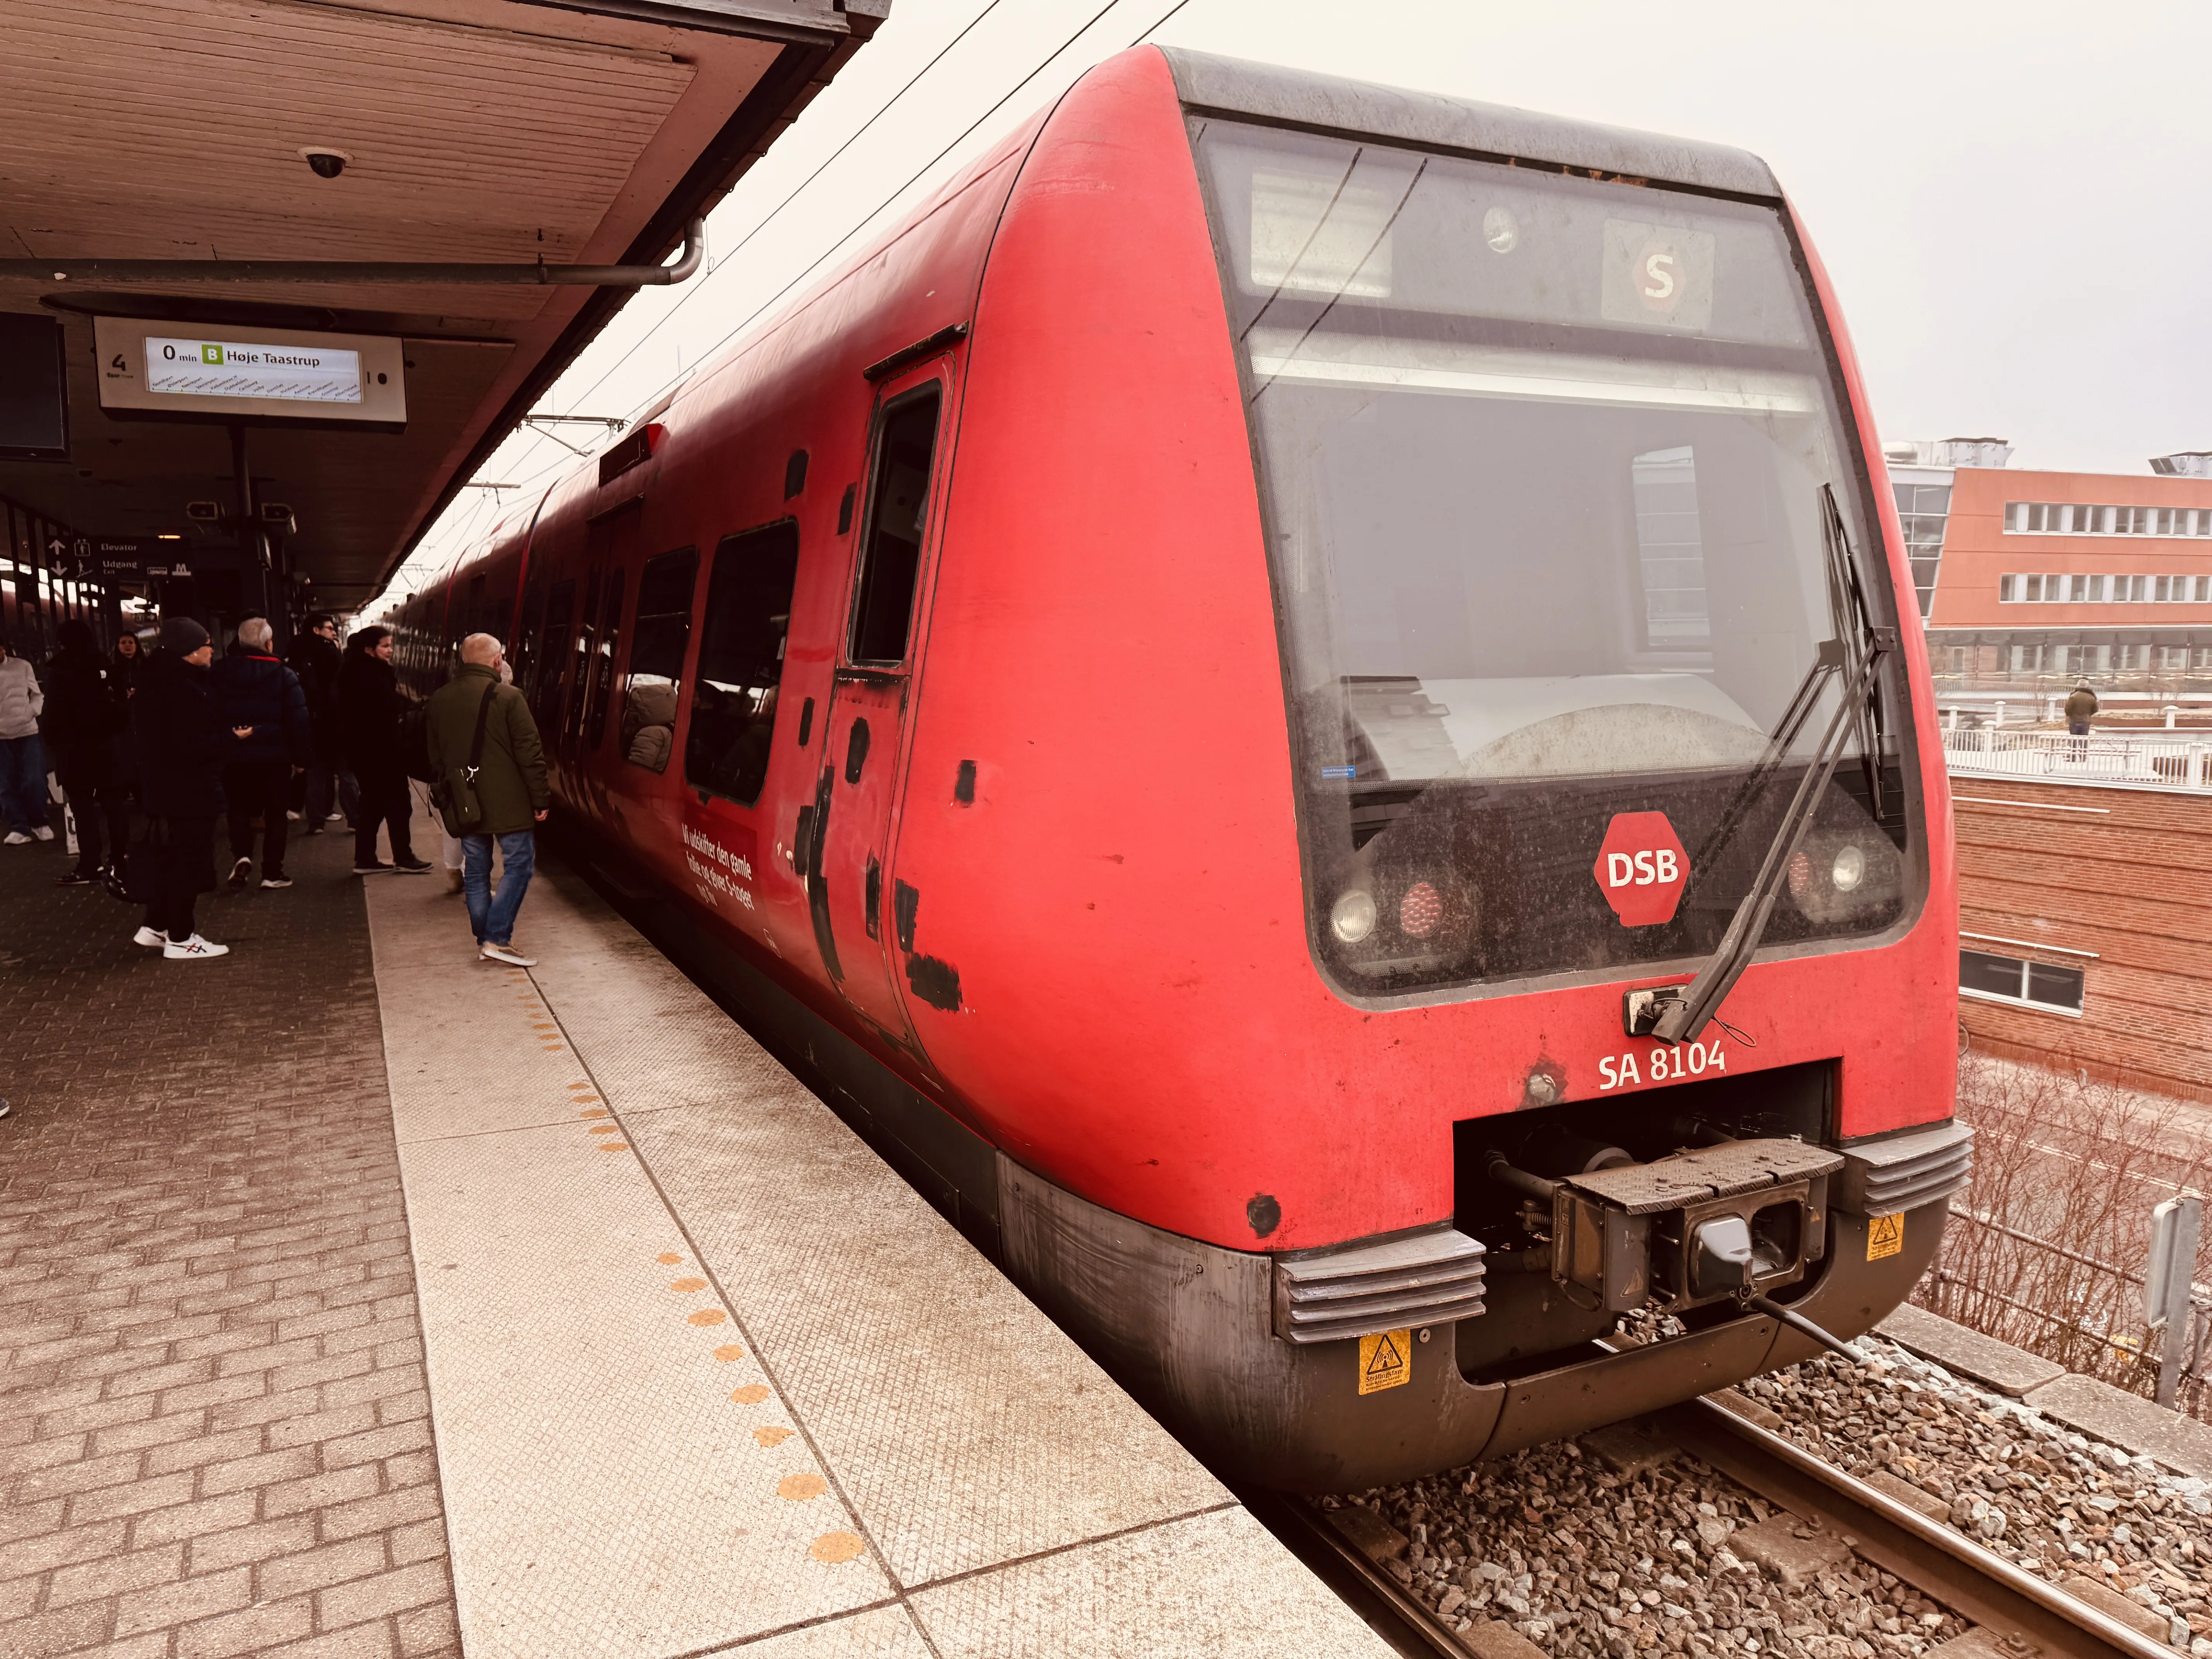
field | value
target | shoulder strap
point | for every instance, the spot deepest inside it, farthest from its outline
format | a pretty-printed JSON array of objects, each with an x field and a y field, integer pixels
[{"x": 483, "y": 713}]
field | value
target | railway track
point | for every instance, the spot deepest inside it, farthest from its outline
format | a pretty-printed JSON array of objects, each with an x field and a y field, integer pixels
[{"x": 2017, "y": 1614}]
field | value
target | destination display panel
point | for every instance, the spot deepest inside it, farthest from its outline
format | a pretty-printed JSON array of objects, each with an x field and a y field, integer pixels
[{"x": 229, "y": 373}]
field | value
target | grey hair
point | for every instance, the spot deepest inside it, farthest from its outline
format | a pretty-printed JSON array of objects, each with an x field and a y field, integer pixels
[
  {"x": 482, "y": 649},
  {"x": 254, "y": 632}
]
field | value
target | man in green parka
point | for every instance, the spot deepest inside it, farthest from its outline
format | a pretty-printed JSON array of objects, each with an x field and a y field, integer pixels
[{"x": 491, "y": 788}]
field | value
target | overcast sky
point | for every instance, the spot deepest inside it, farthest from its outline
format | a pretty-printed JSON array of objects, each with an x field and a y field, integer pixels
[{"x": 2010, "y": 197}]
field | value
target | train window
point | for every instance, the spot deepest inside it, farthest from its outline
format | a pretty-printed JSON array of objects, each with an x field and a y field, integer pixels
[
  {"x": 1545, "y": 462},
  {"x": 898, "y": 507},
  {"x": 552, "y": 669},
  {"x": 741, "y": 642},
  {"x": 661, "y": 635},
  {"x": 603, "y": 665},
  {"x": 580, "y": 677}
]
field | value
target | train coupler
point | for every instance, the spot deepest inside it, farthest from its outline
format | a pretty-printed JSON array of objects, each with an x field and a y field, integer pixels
[{"x": 1739, "y": 1218}]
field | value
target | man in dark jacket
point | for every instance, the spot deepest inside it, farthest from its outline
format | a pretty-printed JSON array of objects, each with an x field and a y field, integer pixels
[
  {"x": 182, "y": 744},
  {"x": 316, "y": 659},
  {"x": 83, "y": 719},
  {"x": 507, "y": 780},
  {"x": 370, "y": 706},
  {"x": 258, "y": 692}
]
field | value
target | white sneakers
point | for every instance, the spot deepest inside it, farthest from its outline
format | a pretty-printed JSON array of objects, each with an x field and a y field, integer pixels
[
  {"x": 16, "y": 838},
  {"x": 42, "y": 833},
  {"x": 194, "y": 949},
  {"x": 507, "y": 954}
]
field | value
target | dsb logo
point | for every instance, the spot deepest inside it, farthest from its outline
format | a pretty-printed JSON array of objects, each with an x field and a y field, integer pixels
[{"x": 1642, "y": 869}]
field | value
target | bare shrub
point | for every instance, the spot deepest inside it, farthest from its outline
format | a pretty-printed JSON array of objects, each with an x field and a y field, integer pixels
[{"x": 2045, "y": 1250}]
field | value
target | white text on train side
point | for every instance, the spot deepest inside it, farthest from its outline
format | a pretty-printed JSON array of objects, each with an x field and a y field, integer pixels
[
  {"x": 713, "y": 866},
  {"x": 1664, "y": 1064}
]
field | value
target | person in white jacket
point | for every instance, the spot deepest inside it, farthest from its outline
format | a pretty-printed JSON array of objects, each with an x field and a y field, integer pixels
[{"x": 22, "y": 762}]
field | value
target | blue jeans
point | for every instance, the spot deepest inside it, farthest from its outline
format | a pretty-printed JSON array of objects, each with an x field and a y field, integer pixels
[
  {"x": 23, "y": 783},
  {"x": 491, "y": 915}
]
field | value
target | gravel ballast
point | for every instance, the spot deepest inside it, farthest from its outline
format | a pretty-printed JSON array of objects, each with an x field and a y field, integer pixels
[{"x": 1582, "y": 1560}]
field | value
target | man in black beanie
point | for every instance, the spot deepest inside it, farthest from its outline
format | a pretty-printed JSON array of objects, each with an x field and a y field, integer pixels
[{"x": 182, "y": 744}]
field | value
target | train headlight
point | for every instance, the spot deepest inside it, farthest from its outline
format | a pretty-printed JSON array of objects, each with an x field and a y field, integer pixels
[
  {"x": 1849, "y": 868},
  {"x": 1351, "y": 919},
  {"x": 1844, "y": 876}
]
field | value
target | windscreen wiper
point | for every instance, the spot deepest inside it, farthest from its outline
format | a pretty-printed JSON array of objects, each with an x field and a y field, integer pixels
[{"x": 1852, "y": 656}]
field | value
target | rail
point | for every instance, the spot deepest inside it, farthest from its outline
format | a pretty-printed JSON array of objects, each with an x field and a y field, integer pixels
[
  {"x": 2027, "y": 1614},
  {"x": 2180, "y": 761},
  {"x": 1940, "y": 1564}
]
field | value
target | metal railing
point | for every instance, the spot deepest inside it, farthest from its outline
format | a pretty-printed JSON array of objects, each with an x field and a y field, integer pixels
[{"x": 2180, "y": 761}]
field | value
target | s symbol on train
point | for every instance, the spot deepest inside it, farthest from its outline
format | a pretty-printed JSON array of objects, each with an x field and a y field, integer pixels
[{"x": 1641, "y": 868}]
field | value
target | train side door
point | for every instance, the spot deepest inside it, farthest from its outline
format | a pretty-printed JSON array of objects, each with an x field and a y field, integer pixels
[{"x": 848, "y": 835}]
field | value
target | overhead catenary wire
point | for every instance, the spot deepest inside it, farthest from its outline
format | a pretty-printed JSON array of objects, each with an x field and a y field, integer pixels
[{"x": 559, "y": 462}]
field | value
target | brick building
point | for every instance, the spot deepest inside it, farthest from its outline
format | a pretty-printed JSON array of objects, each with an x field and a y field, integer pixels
[
  {"x": 2083, "y": 913},
  {"x": 2029, "y": 580}
]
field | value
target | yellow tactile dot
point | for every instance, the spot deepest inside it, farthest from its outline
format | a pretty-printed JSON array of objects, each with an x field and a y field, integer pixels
[
  {"x": 587, "y": 1100},
  {"x": 835, "y": 1546},
  {"x": 595, "y": 1111},
  {"x": 801, "y": 1487},
  {"x": 751, "y": 1394},
  {"x": 612, "y": 1145},
  {"x": 667, "y": 1258},
  {"x": 687, "y": 1283},
  {"x": 604, "y": 1129},
  {"x": 707, "y": 1316},
  {"x": 771, "y": 1436},
  {"x": 728, "y": 1351}
]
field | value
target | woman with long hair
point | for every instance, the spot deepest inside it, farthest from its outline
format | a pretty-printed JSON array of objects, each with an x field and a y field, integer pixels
[{"x": 370, "y": 706}]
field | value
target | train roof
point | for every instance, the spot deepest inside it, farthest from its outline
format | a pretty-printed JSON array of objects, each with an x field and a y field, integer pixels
[{"x": 1233, "y": 86}]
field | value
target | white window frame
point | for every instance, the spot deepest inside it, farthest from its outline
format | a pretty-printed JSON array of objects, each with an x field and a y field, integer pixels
[{"x": 2023, "y": 1000}]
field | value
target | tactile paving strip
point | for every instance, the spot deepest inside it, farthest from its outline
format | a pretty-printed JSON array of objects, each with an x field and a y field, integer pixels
[
  {"x": 619, "y": 1478},
  {"x": 970, "y": 1429},
  {"x": 649, "y": 1452}
]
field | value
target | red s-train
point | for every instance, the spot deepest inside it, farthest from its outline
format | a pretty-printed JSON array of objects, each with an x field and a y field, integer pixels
[{"x": 1201, "y": 683}]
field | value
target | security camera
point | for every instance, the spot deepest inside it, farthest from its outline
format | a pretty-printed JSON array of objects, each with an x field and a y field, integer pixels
[{"x": 327, "y": 163}]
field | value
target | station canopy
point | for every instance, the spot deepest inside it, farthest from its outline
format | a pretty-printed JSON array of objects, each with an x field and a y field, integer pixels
[{"x": 589, "y": 132}]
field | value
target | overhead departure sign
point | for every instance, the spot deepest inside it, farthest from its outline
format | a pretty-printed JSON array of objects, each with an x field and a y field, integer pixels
[
  {"x": 157, "y": 369},
  {"x": 230, "y": 368}
]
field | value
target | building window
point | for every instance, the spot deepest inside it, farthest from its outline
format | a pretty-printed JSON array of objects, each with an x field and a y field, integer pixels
[
  {"x": 2008, "y": 589},
  {"x": 1991, "y": 978},
  {"x": 1671, "y": 550}
]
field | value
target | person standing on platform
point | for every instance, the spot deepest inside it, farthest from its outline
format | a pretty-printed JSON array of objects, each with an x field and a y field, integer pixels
[
  {"x": 258, "y": 694},
  {"x": 2081, "y": 707},
  {"x": 316, "y": 659},
  {"x": 485, "y": 752},
  {"x": 23, "y": 758},
  {"x": 182, "y": 744},
  {"x": 83, "y": 718},
  {"x": 370, "y": 706}
]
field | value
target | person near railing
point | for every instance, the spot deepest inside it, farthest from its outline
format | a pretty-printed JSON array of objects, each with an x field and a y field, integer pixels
[{"x": 2080, "y": 705}]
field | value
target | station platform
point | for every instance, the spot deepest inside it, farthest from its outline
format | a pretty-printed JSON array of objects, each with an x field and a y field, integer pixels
[{"x": 360, "y": 1296}]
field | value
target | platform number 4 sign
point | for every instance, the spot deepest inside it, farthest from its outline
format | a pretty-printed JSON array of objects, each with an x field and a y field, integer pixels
[
  {"x": 1385, "y": 1360},
  {"x": 1885, "y": 1236}
]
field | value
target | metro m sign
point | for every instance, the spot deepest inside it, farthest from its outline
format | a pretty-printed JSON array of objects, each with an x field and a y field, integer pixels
[{"x": 1641, "y": 868}]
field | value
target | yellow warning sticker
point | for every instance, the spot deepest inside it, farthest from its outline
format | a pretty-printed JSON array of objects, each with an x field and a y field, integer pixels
[
  {"x": 1885, "y": 1236},
  {"x": 1385, "y": 1360}
]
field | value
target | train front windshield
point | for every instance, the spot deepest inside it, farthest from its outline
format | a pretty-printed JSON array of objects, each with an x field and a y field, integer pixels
[{"x": 1543, "y": 459}]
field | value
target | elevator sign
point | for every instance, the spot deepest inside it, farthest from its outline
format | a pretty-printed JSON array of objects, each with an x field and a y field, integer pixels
[
  {"x": 235, "y": 368},
  {"x": 1642, "y": 869}
]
